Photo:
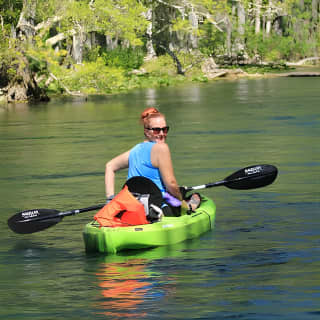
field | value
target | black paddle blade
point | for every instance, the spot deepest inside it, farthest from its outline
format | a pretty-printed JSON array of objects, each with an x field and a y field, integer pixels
[
  {"x": 35, "y": 220},
  {"x": 252, "y": 177}
]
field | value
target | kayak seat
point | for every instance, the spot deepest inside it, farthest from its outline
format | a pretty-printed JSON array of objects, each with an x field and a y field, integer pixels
[{"x": 148, "y": 194}]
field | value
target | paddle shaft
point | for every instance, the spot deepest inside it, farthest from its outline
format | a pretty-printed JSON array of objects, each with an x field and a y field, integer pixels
[
  {"x": 208, "y": 185},
  {"x": 64, "y": 213},
  {"x": 247, "y": 178}
]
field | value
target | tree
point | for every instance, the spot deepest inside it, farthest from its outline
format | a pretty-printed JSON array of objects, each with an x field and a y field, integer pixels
[
  {"x": 20, "y": 78},
  {"x": 47, "y": 39}
]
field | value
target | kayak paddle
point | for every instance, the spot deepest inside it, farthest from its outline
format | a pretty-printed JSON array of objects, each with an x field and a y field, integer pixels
[
  {"x": 244, "y": 179},
  {"x": 35, "y": 220}
]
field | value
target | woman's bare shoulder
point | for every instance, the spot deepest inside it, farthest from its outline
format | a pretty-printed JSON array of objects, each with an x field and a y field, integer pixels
[{"x": 161, "y": 148}]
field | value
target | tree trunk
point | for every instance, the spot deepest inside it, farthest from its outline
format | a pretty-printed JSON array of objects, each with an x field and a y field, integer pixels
[
  {"x": 23, "y": 87},
  {"x": 174, "y": 58},
  {"x": 111, "y": 44},
  {"x": 90, "y": 41},
  {"x": 149, "y": 45},
  {"x": 25, "y": 27},
  {"x": 258, "y": 4},
  {"x": 78, "y": 41},
  {"x": 125, "y": 44},
  {"x": 193, "y": 19},
  {"x": 315, "y": 7},
  {"x": 229, "y": 36},
  {"x": 241, "y": 25},
  {"x": 315, "y": 10},
  {"x": 269, "y": 18}
]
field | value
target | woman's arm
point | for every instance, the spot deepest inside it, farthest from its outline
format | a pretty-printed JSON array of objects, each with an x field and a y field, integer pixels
[
  {"x": 161, "y": 158},
  {"x": 112, "y": 166}
]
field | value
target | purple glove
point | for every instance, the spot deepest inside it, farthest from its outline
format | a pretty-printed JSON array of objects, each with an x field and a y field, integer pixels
[{"x": 171, "y": 200}]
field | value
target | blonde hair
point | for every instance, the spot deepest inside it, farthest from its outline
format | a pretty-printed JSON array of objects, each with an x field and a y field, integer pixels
[{"x": 149, "y": 113}]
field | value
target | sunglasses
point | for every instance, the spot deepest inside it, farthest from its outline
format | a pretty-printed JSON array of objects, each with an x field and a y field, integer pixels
[{"x": 158, "y": 130}]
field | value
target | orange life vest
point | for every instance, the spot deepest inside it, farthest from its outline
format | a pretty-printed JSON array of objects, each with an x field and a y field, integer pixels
[{"x": 122, "y": 211}]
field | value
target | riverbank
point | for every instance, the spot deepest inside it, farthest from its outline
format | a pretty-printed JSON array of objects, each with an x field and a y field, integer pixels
[{"x": 98, "y": 79}]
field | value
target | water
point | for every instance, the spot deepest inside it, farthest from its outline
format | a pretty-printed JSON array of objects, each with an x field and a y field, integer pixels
[{"x": 260, "y": 262}]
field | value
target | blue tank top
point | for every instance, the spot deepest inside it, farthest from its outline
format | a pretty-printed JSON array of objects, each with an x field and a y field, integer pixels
[{"x": 140, "y": 164}]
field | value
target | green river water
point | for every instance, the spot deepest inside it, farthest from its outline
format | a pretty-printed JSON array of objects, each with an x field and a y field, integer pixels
[{"x": 261, "y": 261}]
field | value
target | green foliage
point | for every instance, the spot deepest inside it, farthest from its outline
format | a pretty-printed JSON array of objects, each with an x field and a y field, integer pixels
[
  {"x": 181, "y": 25},
  {"x": 212, "y": 40},
  {"x": 122, "y": 19},
  {"x": 8, "y": 59},
  {"x": 49, "y": 8},
  {"x": 9, "y": 12},
  {"x": 127, "y": 59},
  {"x": 92, "y": 54},
  {"x": 36, "y": 65},
  {"x": 276, "y": 48},
  {"x": 160, "y": 66},
  {"x": 262, "y": 69},
  {"x": 124, "y": 22},
  {"x": 200, "y": 78},
  {"x": 95, "y": 77}
]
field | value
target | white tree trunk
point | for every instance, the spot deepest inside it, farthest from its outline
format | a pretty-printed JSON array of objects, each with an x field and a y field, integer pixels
[
  {"x": 149, "y": 45},
  {"x": 125, "y": 44},
  {"x": 111, "y": 43},
  {"x": 91, "y": 40},
  {"x": 77, "y": 47},
  {"x": 229, "y": 36},
  {"x": 241, "y": 25},
  {"x": 26, "y": 21},
  {"x": 258, "y": 4},
  {"x": 193, "y": 19},
  {"x": 269, "y": 18},
  {"x": 315, "y": 10}
]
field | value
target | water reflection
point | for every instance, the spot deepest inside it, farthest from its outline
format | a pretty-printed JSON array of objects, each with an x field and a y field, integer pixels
[
  {"x": 260, "y": 262},
  {"x": 151, "y": 97},
  {"x": 129, "y": 282},
  {"x": 242, "y": 90},
  {"x": 125, "y": 286}
]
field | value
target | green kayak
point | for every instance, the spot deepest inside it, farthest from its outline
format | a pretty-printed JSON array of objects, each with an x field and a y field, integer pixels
[{"x": 168, "y": 231}]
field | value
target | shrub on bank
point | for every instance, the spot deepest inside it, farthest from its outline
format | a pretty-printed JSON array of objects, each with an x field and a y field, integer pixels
[
  {"x": 94, "y": 78},
  {"x": 126, "y": 59}
]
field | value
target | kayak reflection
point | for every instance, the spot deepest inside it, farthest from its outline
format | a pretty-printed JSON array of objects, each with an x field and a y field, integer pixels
[
  {"x": 132, "y": 281},
  {"x": 124, "y": 287}
]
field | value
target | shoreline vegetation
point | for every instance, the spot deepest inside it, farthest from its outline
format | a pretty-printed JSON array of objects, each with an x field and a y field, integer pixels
[
  {"x": 153, "y": 74},
  {"x": 85, "y": 47}
]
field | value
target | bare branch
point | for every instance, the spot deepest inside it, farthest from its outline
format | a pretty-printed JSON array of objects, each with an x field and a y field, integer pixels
[
  {"x": 72, "y": 93},
  {"x": 47, "y": 24},
  {"x": 59, "y": 37},
  {"x": 198, "y": 12}
]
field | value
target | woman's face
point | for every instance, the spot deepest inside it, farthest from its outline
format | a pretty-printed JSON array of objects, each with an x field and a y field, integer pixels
[{"x": 153, "y": 135}]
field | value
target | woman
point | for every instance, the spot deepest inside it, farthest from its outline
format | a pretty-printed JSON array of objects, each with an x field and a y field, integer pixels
[{"x": 151, "y": 159}]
